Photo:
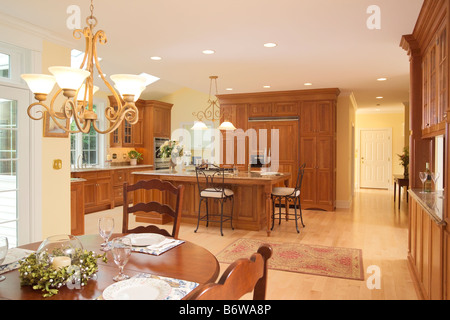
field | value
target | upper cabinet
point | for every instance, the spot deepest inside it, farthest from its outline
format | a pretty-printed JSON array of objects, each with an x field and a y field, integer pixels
[
  {"x": 127, "y": 135},
  {"x": 435, "y": 83}
]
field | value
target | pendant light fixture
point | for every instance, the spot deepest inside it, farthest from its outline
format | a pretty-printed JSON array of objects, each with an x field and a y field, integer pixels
[
  {"x": 212, "y": 111},
  {"x": 77, "y": 86}
]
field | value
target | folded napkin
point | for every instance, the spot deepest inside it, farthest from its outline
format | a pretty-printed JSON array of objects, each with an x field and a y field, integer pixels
[
  {"x": 12, "y": 259},
  {"x": 155, "y": 249},
  {"x": 159, "y": 248}
]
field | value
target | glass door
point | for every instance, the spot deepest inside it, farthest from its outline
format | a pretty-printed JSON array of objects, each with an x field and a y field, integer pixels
[{"x": 14, "y": 164}]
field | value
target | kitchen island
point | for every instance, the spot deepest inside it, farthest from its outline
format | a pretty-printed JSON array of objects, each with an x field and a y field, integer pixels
[{"x": 252, "y": 197}]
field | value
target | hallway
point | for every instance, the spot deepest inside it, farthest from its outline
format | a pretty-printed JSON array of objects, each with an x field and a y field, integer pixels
[{"x": 373, "y": 224}]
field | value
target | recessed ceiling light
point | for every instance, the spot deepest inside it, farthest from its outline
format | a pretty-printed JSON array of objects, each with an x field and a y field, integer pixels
[
  {"x": 377, "y": 109},
  {"x": 308, "y": 84},
  {"x": 229, "y": 89},
  {"x": 270, "y": 45},
  {"x": 209, "y": 51},
  {"x": 379, "y": 97},
  {"x": 267, "y": 87},
  {"x": 156, "y": 58},
  {"x": 381, "y": 79}
]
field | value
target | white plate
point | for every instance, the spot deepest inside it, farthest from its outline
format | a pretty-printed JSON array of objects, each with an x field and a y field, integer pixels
[
  {"x": 145, "y": 239},
  {"x": 138, "y": 289}
]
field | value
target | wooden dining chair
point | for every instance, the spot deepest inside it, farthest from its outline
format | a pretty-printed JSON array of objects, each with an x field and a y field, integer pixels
[
  {"x": 241, "y": 277},
  {"x": 153, "y": 206}
]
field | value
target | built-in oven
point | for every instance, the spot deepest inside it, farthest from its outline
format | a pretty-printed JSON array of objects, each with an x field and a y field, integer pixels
[{"x": 160, "y": 163}]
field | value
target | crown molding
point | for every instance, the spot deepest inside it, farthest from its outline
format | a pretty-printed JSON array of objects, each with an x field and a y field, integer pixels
[{"x": 33, "y": 30}]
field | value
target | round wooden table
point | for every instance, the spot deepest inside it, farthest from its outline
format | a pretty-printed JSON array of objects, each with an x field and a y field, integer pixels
[{"x": 187, "y": 261}]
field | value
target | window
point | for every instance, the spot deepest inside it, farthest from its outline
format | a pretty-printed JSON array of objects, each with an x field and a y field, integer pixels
[
  {"x": 84, "y": 147},
  {"x": 5, "y": 66}
]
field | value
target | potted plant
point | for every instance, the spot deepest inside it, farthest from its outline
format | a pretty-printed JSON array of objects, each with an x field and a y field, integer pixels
[
  {"x": 134, "y": 157},
  {"x": 404, "y": 161}
]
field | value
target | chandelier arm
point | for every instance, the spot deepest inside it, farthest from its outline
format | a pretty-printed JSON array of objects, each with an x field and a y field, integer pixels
[
  {"x": 31, "y": 106},
  {"x": 116, "y": 124}
]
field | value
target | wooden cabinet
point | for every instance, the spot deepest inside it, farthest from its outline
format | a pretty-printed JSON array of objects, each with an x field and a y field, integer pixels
[
  {"x": 98, "y": 191},
  {"x": 156, "y": 123},
  {"x": 318, "y": 151},
  {"x": 435, "y": 83},
  {"x": 127, "y": 135},
  {"x": 77, "y": 208},
  {"x": 305, "y": 121},
  {"x": 426, "y": 242}
]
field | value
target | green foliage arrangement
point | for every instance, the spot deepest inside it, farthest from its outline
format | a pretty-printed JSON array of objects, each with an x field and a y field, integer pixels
[
  {"x": 404, "y": 157},
  {"x": 40, "y": 275},
  {"x": 133, "y": 154},
  {"x": 170, "y": 149}
]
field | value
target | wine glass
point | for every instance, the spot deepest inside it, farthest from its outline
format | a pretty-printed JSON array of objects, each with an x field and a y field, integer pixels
[
  {"x": 105, "y": 228},
  {"x": 435, "y": 177},
  {"x": 121, "y": 250},
  {"x": 423, "y": 177},
  {"x": 3, "y": 252}
]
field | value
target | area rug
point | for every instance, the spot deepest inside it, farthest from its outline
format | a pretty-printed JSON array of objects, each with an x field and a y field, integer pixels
[{"x": 293, "y": 257}]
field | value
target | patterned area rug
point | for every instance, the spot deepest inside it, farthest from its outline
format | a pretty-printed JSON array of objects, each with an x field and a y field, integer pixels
[{"x": 317, "y": 260}]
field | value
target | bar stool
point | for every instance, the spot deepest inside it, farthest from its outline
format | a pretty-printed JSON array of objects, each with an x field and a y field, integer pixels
[
  {"x": 289, "y": 194},
  {"x": 210, "y": 181}
]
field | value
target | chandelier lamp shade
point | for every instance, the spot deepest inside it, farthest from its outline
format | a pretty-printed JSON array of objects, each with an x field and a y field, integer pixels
[
  {"x": 212, "y": 112},
  {"x": 77, "y": 86}
]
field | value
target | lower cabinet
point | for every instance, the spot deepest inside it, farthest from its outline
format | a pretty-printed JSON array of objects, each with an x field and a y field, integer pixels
[
  {"x": 97, "y": 190},
  {"x": 426, "y": 254},
  {"x": 77, "y": 208}
]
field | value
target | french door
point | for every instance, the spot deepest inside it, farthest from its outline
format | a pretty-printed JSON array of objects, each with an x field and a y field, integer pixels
[
  {"x": 14, "y": 164},
  {"x": 375, "y": 162}
]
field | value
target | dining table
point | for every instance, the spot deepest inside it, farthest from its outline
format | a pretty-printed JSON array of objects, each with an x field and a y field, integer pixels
[{"x": 186, "y": 261}]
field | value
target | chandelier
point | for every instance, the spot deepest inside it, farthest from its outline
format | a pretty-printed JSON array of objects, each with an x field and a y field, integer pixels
[
  {"x": 77, "y": 86},
  {"x": 212, "y": 111}
]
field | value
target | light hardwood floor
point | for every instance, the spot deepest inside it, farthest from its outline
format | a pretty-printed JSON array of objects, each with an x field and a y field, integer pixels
[{"x": 373, "y": 224}]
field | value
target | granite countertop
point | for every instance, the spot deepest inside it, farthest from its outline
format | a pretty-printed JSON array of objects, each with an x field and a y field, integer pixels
[
  {"x": 241, "y": 174},
  {"x": 113, "y": 167},
  {"x": 432, "y": 202}
]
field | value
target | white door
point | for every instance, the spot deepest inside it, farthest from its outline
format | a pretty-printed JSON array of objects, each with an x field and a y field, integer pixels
[
  {"x": 14, "y": 164},
  {"x": 376, "y": 149}
]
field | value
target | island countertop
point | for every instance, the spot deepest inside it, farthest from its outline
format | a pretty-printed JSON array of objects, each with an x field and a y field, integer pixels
[
  {"x": 241, "y": 175},
  {"x": 252, "y": 204}
]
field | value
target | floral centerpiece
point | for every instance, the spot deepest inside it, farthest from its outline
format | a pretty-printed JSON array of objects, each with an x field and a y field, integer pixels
[
  {"x": 59, "y": 261},
  {"x": 172, "y": 150},
  {"x": 404, "y": 161}
]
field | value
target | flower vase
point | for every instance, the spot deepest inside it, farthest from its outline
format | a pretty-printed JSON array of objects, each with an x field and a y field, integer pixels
[
  {"x": 133, "y": 162},
  {"x": 172, "y": 165},
  {"x": 405, "y": 172}
]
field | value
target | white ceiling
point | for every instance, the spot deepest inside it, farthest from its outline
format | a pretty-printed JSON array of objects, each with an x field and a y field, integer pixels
[{"x": 325, "y": 42}]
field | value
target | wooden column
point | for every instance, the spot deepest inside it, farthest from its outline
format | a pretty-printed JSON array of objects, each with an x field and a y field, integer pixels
[{"x": 419, "y": 149}]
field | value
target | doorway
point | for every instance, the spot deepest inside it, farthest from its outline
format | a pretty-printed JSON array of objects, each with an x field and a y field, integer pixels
[
  {"x": 14, "y": 164},
  {"x": 375, "y": 158}
]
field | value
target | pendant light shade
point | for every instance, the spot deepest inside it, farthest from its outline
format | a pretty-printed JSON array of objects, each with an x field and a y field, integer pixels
[
  {"x": 227, "y": 126},
  {"x": 199, "y": 125},
  {"x": 69, "y": 78},
  {"x": 39, "y": 83}
]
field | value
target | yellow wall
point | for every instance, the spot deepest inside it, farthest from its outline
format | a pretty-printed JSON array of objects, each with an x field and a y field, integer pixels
[
  {"x": 185, "y": 101},
  {"x": 346, "y": 108},
  {"x": 396, "y": 121},
  {"x": 55, "y": 183}
]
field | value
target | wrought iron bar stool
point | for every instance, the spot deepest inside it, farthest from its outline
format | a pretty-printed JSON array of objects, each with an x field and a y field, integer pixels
[
  {"x": 210, "y": 181},
  {"x": 289, "y": 194}
]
